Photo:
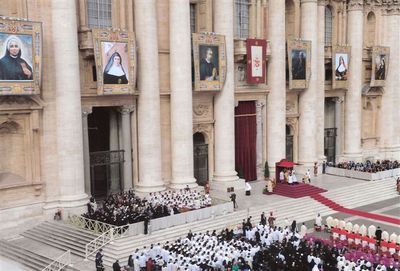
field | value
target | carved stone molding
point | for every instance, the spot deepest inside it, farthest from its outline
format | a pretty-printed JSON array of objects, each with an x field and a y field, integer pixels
[
  {"x": 10, "y": 127},
  {"x": 206, "y": 129},
  {"x": 322, "y": 3},
  {"x": 355, "y": 5},
  {"x": 201, "y": 110},
  {"x": 392, "y": 7},
  {"x": 20, "y": 102},
  {"x": 290, "y": 107},
  {"x": 293, "y": 123}
]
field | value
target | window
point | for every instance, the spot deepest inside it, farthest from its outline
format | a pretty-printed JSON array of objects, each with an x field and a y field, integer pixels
[
  {"x": 192, "y": 18},
  {"x": 369, "y": 38},
  {"x": 328, "y": 26},
  {"x": 99, "y": 13},
  {"x": 242, "y": 18}
]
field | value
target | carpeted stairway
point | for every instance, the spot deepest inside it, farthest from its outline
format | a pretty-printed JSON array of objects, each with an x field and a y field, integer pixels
[
  {"x": 331, "y": 204},
  {"x": 297, "y": 190}
]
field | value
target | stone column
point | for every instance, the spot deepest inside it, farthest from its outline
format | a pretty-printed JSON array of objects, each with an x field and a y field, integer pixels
[
  {"x": 308, "y": 97},
  {"x": 390, "y": 134},
  {"x": 149, "y": 133},
  {"x": 259, "y": 139},
  {"x": 115, "y": 184},
  {"x": 71, "y": 175},
  {"x": 181, "y": 95},
  {"x": 224, "y": 106},
  {"x": 352, "y": 129},
  {"x": 276, "y": 101},
  {"x": 320, "y": 105},
  {"x": 86, "y": 154},
  {"x": 127, "y": 146}
]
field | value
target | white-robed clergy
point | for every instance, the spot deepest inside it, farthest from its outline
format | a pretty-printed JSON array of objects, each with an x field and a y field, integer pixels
[{"x": 318, "y": 220}]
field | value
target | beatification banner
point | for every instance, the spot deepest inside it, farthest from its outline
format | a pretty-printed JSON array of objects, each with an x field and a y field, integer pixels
[
  {"x": 299, "y": 58},
  {"x": 380, "y": 65},
  {"x": 115, "y": 56},
  {"x": 256, "y": 50},
  {"x": 340, "y": 66},
  {"x": 20, "y": 57},
  {"x": 209, "y": 61}
]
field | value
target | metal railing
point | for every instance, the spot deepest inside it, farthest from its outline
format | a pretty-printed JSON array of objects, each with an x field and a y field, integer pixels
[
  {"x": 112, "y": 234},
  {"x": 59, "y": 263},
  {"x": 89, "y": 224}
]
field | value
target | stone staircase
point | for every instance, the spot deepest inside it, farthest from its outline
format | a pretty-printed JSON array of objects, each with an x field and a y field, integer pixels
[
  {"x": 61, "y": 236},
  {"x": 28, "y": 258},
  {"x": 301, "y": 209}
]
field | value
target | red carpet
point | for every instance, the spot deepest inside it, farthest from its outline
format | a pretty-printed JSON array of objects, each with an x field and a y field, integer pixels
[
  {"x": 331, "y": 204},
  {"x": 296, "y": 191}
]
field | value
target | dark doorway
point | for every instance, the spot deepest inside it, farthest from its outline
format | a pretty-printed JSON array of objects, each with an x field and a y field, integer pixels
[
  {"x": 330, "y": 132},
  {"x": 245, "y": 140},
  {"x": 105, "y": 163},
  {"x": 289, "y": 143},
  {"x": 200, "y": 158}
]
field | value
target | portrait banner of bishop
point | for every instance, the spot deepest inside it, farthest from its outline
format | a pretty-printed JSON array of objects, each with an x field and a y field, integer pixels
[
  {"x": 209, "y": 60},
  {"x": 256, "y": 50},
  {"x": 20, "y": 57},
  {"x": 299, "y": 60},
  {"x": 340, "y": 66},
  {"x": 115, "y": 57},
  {"x": 380, "y": 65}
]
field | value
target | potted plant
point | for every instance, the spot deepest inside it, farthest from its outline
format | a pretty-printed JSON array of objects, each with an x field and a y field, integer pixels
[{"x": 266, "y": 170}]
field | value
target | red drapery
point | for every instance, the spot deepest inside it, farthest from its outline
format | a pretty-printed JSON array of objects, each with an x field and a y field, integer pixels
[{"x": 245, "y": 139}]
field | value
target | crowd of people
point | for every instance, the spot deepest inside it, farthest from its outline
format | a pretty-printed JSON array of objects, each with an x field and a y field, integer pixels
[
  {"x": 368, "y": 166},
  {"x": 126, "y": 207},
  {"x": 261, "y": 247}
]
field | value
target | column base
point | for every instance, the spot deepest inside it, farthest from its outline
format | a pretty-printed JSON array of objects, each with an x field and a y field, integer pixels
[
  {"x": 356, "y": 157},
  {"x": 223, "y": 182},
  {"x": 183, "y": 183},
  {"x": 304, "y": 166},
  {"x": 69, "y": 205},
  {"x": 391, "y": 153},
  {"x": 157, "y": 187}
]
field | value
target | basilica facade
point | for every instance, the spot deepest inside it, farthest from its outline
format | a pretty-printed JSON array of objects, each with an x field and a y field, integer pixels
[{"x": 68, "y": 141}]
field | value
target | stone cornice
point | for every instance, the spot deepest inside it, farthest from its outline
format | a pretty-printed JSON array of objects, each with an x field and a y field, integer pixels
[
  {"x": 355, "y": 5},
  {"x": 308, "y": 1}
]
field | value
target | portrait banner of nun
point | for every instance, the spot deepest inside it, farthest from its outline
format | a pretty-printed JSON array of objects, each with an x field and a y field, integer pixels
[
  {"x": 299, "y": 62},
  {"x": 20, "y": 57},
  {"x": 340, "y": 66},
  {"x": 115, "y": 56},
  {"x": 209, "y": 61},
  {"x": 380, "y": 65}
]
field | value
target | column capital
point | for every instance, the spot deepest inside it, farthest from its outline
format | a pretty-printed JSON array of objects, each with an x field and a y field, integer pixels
[
  {"x": 260, "y": 104},
  {"x": 126, "y": 109},
  {"x": 355, "y": 5},
  {"x": 86, "y": 110}
]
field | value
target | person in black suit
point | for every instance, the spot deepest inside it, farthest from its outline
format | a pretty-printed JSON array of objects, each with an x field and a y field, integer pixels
[
  {"x": 116, "y": 266},
  {"x": 378, "y": 236}
]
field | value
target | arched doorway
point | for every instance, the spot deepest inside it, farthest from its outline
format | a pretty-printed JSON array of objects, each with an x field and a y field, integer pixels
[
  {"x": 200, "y": 158},
  {"x": 289, "y": 143}
]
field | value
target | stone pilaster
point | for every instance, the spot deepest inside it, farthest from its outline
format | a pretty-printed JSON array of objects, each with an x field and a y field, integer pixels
[
  {"x": 127, "y": 145},
  {"x": 149, "y": 133},
  {"x": 390, "y": 132},
  {"x": 308, "y": 97},
  {"x": 259, "y": 139},
  {"x": 86, "y": 111},
  {"x": 71, "y": 177},
  {"x": 276, "y": 102},
  {"x": 352, "y": 140},
  {"x": 181, "y": 95},
  {"x": 320, "y": 105},
  {"x": 224, "y": 106}
]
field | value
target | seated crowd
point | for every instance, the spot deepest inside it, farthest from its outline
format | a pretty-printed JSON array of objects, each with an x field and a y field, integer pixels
[
  {"x": 126, "y": 207},
  {"x": 260, "y": 248},
  {"x": 368, "y": 166}
]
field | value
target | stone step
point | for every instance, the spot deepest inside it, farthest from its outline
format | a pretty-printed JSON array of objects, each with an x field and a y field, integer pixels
[
  {"x": 28, "y": 258},
  {"x": 70, "y": 228},
  {"x": 51, "y": 240},
  {"x": 68, "y": 234}
]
